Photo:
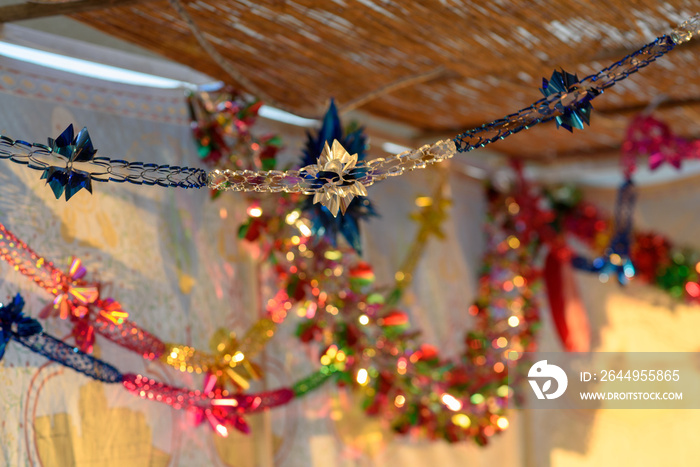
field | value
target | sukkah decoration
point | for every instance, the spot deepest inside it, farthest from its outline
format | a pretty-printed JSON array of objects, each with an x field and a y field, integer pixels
[
  {"x": 534, "y": 218},
  {"x": 337, "y": 153},
  {"x": 652, "y": 139},
  {"x": 76, "y": 300},
  {"x": 346, "y": 195},
  {"x": 219, "y": 409},
  {"x": 73, "y": 149},
  {"x": 13, "y": 323},
  {"x": 366, "y": 342},
  {"x": 557, "y": 214},
  {"x": 222, "y": 123},
  {"x": 571, "y": 117},
  {"x": 566, "y": 307},
  {"x": 615, "y": 260},
  {"x": 15, "y": 251},
  {"x": 314, "y": 179},
  {"x": 365, "y": 337},
  {"x": 656, "y": 259},
  {"x": 651, "y": 257},
  {"x": 229, "y": 362},
  {"x": 432, "y": 213},
  {"x": 402, "y": 380},
  {"x": 80, "y": 302}
]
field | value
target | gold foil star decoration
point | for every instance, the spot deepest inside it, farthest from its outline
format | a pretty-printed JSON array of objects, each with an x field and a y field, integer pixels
[
  {"x": 232, "y": 357},
  {"x": 229, "y": 361},
  {"x": 433, "y": 212},
  {"x": 334, "y": 165}
]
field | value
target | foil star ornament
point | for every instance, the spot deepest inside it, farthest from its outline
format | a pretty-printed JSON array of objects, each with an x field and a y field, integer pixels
[
  {"x": 231, "y": 358},
  {"x": 339, "y": 190},
  {"x": 651, "y": 138},
  {"x": 616, "y": 259},
  {"x": 432, "y": 214},
  {"x": 73, "y": 295},
  {"x": 68, "y": 179},
  {"x": 14, "y": 323},
  {"x": 571, "y": 117},
  {"x": 324, "y": 224},
  {"x": 81, "y": 303}
]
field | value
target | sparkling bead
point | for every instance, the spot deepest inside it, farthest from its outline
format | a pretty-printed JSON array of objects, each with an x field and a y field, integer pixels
[
  {"x": 416, "y": 154},
  {"x": 395, "y": 171},
  {"x": 290, "y": 183},
  {"x": 374, "y": 163},
  {"x": 680, "y": 36},
  {"x": 685, "y": 31},
  {"x": 404, "y": 156},
  {"x": 216, "y": 178}
]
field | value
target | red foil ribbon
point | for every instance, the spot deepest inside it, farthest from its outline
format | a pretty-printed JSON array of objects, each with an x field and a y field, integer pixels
[
  {"x": 25, "y": 260},
  {"x": 78, "y": 300},
  {"x": 216, "y": 406},
  {"x": 568, "y": 313},
  {"x": 130, "y": 336}
]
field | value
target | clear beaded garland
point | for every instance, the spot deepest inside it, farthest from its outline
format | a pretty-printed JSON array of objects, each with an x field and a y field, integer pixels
[
  {"x": 686, "y": 30},
  {"x": 302, "y": 180}
]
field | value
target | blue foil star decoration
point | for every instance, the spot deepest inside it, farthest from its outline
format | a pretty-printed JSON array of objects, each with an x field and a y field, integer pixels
[
  {"x": 616, "y": 259},
  {"x": 612, "y": 264},
  {"x": 572, "y": 117},
  {"x": 67, "y": 179},
  {"x": 14, "y": 323},
  {"x": 323, "y": 223}
]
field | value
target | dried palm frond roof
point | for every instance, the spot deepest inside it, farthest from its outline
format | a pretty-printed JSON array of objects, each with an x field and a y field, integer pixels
[{"x": 442, "y": 66}]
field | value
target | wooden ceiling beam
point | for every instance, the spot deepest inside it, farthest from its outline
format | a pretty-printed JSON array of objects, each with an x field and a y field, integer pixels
[{"x": 23, "y": 11}]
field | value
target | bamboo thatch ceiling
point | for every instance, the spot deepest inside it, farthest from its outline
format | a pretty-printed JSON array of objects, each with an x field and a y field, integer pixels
[{"x": 473, "y": 61}]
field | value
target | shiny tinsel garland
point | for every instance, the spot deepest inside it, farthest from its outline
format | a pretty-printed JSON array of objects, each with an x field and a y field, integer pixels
[{"x": 69, "y": 163}]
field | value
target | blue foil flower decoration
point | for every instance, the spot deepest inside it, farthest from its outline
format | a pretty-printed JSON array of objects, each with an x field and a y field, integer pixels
[
  {"x": 572, "y": 117},
  {"x": 75, "y": 149},
  {"x": 323, "y": 223},
  {"x": 14, "y": 323},
  {"x": 616, "y": 259}
]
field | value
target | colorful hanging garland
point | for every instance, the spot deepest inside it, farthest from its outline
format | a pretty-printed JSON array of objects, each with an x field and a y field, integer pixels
[
  {"x": 219, "y": 409},
  {"x": 364, "y": 338},
  {"x": 222, "y": 124},
  {"x": 649, "y": 256},
  {"x": 353, "y": 320},
  {"x": 80, "y": 302},
  {"x": 657, "y": 260},
  {"x": 649, "y": 138},
  {"x": 69, "y": 164}
]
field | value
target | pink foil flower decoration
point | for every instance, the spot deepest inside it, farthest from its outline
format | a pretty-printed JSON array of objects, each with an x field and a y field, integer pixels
[{"x": 80, "y": 302}]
